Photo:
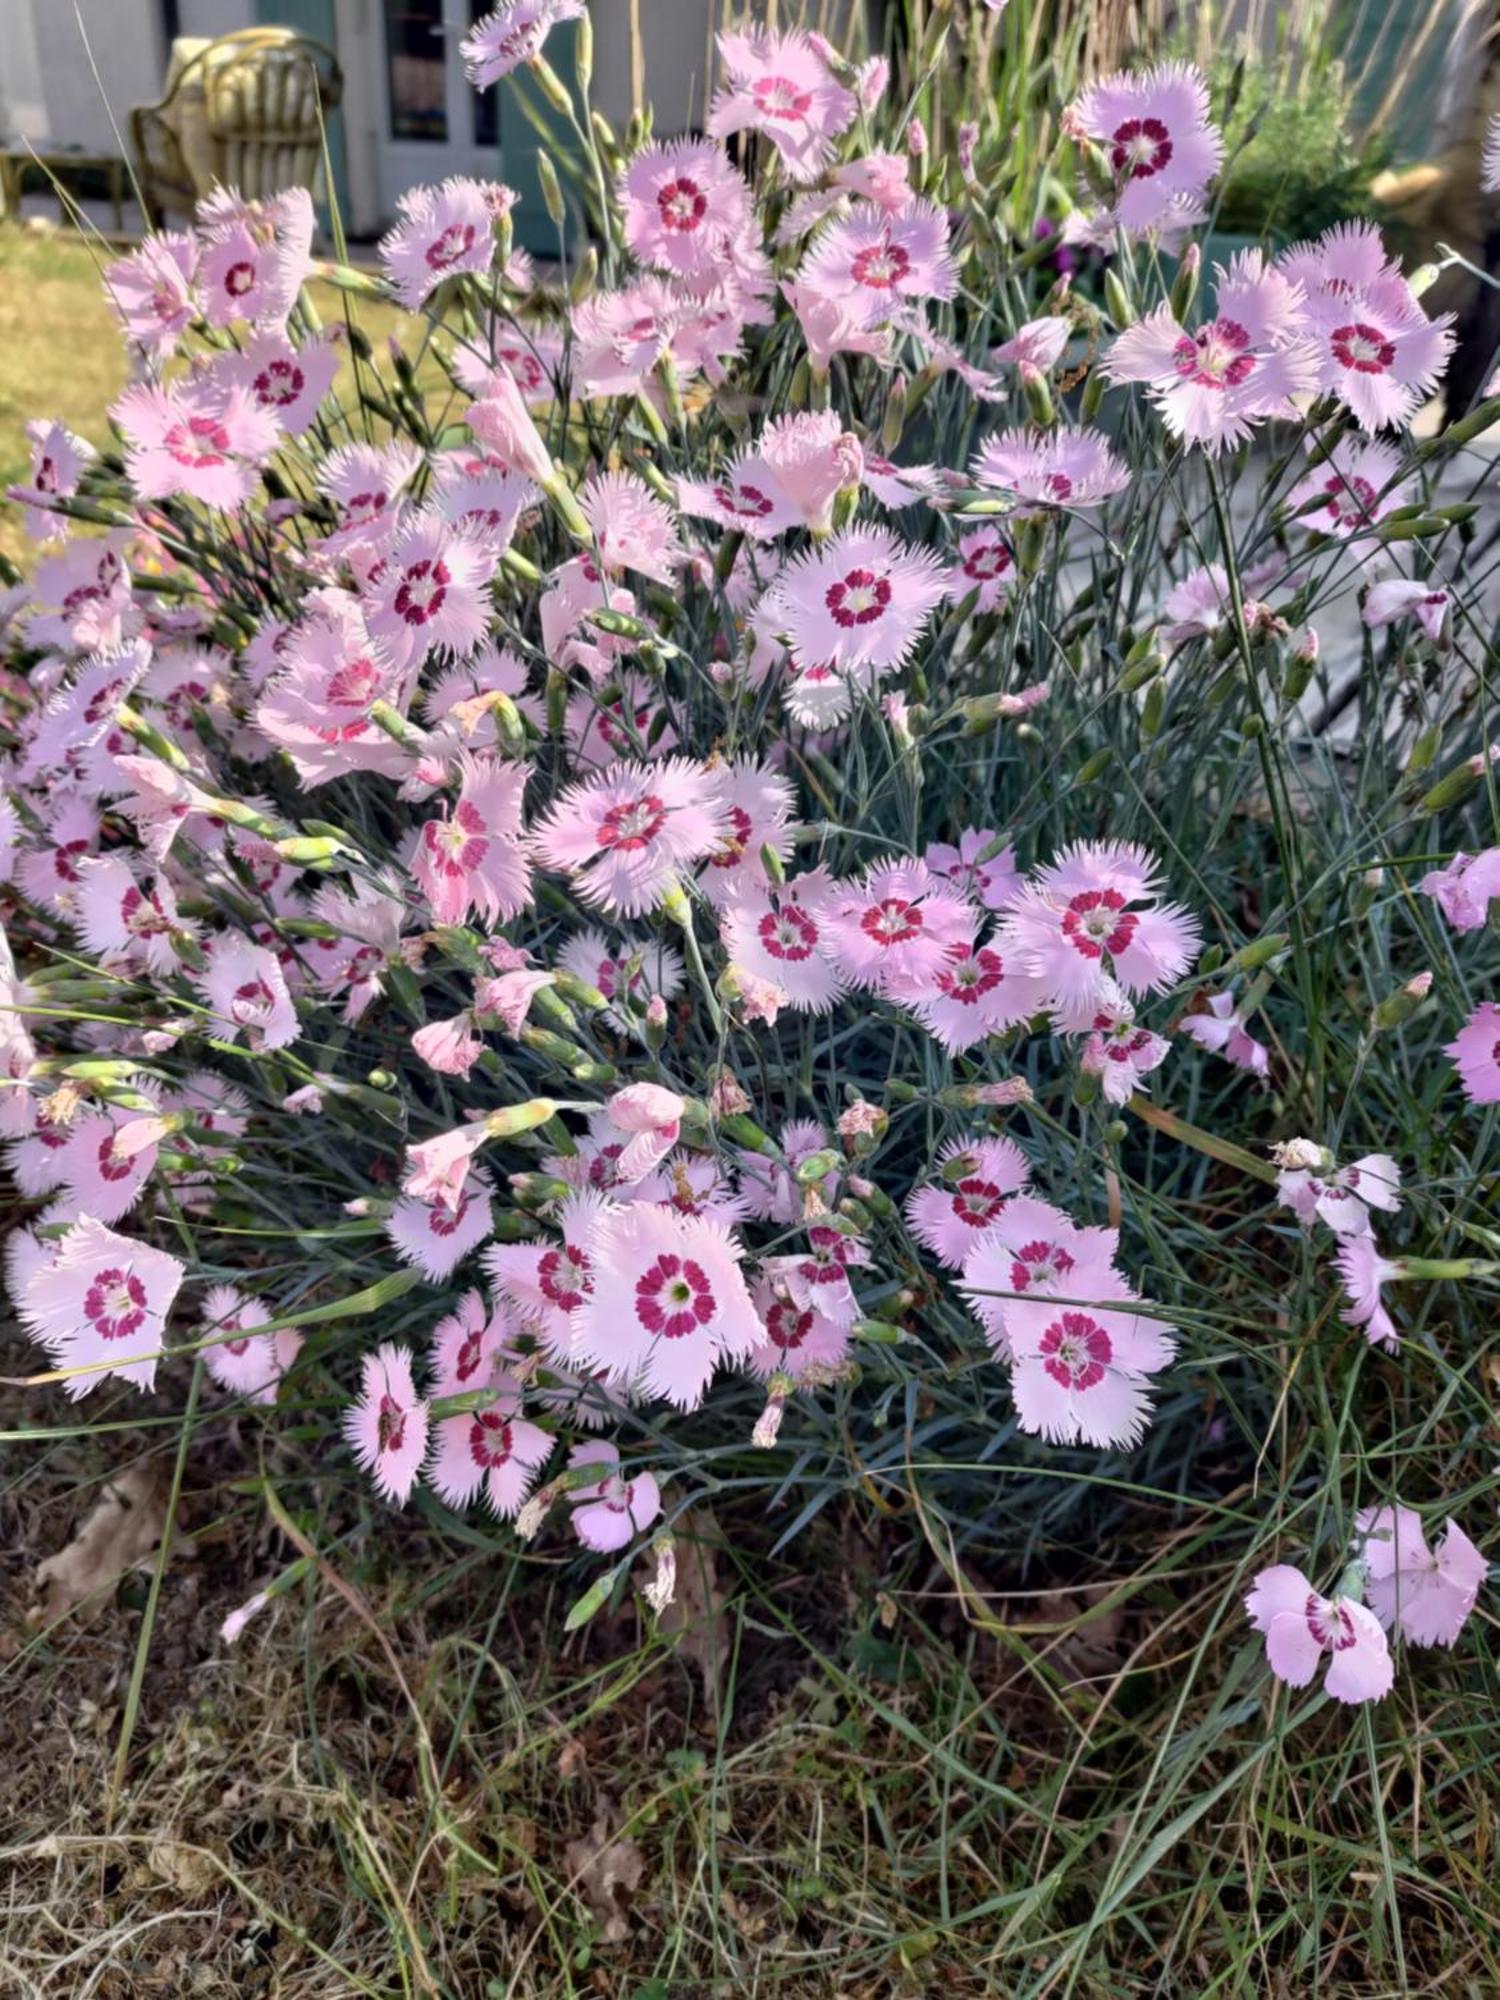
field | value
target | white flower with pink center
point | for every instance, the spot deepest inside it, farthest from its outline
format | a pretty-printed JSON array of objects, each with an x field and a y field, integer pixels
[
  {"x": 1222, "y": 1027},
  {"x": 818, "y": 1276},
  {"x": 237, "y": 1354},
  {"x": 1038, "y": 344},
  {"x": 976, "y": 991},
  {"x": 443, "y": 231},
  {"x": 1350, "y": 490},
  {"x": 770, "y": 1192},
  {"x": 550, "y": 1280},
  {"x": 873, "y": 263},
  {"x": 473, "y": 857},
  {"x": 612, "y": 1510},
  {"x": 1364, "y": 1273},
  {"x": 287, "y": 382},
  {"x": 99, "y": 1303},
  {"x": 58, "y": 460},
  {"x": 1379, "y": 352},
  {"x": 1079, "y": 1372},
  {"x": 436, "y": 1236},
  {"x": 629, "y": 972},
  {"x": 1465, "y": 887},
  {"x": 757, "y": 806},
  {"x": 858, "y": 604},
  {"x": 1057, "y": 468},
  {"x": 431, "y": 591},
  {"x": 1093, "y": 923},
  {"x": 632, "y": 529},
  {"x": 626, "y": 836},
  {"x": 494, "y": 1451},
  {"x": 366, "y": 484},
  {"x": 975, "y": 1181},
  {"x": 669, "y": 1303},
  {"x": 193, "y": 440},
  {"x": 246, "y": 993},
  {"x": 1031, "y": 1250},
  {"x": 780, "y": 86},
  {"x": 976, "y": 867},
  {"x": 152, "y": 291},
  {"x": 786, "y": 937},
  {"x": 985, "y": 569},
  {"x": 797, "y": 1338},
  {"x": 387, "y": 1427},
  {"x": 108, "y": 1160},
  {"x": 123, "y": 922},
  {"x": 1342, "y": 1197},
  {"x": 1398, "y": 597},
  {"x": 1427, "y": 1592},
  {"x": 1301, "y": 1627},
  {"x": 895, "y": 928},
  {"x": 684, "y": 204},
  {"x": 1120, "y": 1052},
  {"x": 1213, "y": 384},
  {"x": 471, "y": 1347},
  {"x": 512, "y": 35},
  {"x": 1153, "y": 128}
]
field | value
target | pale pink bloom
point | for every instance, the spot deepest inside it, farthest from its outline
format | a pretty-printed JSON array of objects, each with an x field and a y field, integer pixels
[
  {"x": 238, "y": 278},
  {"x": 1342, "y": 1197},
  {"x": 780, "y": 86},
  {"x": 669, "y": 1302},
  {"x": 189, "y": 438},
  {"x": 246, "y": 993},
  {"x": 287, "y": 382},
  {"x": 632, "y": 529},
  {"x": 122, "y": 923},
  {"x": 442, "y": 231},
  {"x": 859, "y": 603},
  {"x": 437, "y": 1169},
  {"x": 510, "y": 994},
  {"x": 1223, "y": 1028},
  {"x": 1354, "y": 486},
  {"x": 92, "y": 1297},
  {"x": 809, "y": 457},
  {"x": 870, "y": 79},
  {"x": 1300, "y": 1627},
  {"x": 798, "y": 1339},
  {"x": 1465, "y": 888},
  {"x": 769, "y": 1189},
  {"x": 1058, "y": 468},
  {"x": 1213, "y": 385},
  {"x": 1398, "y": 597},
  {"x": 621, "y": 337},
  {"x": 883, "y": 178},
  {"x": 975, "y": 992},
  {"x": 89, "y": 584},
  {"x": 1093, "y": 921},
  {"x": 986, "y": 566},
  {"x": 436, "y": 1236},
  {"x": 58, "y": 460},
  {"x": 744, "y": 496},
  {"x": 247, "y": 1363},
  {"x": 470, "y": 1347},
  {"x": 450, "y": 1047},
  {"x": 513, "y": 34},
  {"x": 483, "y": 501},
  {"x": 473, "y": 858},
  {"x": 370, "y": 923},
  {"x": 431, "y": 592},
  {"x": 1120, "y": 1052},
  {"x": 1429, "y": 1593},
  {"x": 233, "y": 1627},
  {"x": 629, "y": 975},
  {"x": 684, "y": 206},
  {"x": 152, "y": 291},
  {"x": 1475, "y": 1050},
  {"x": 387, "y": 1427},
  {"x": 548, "y": 1281},
  {"x": 461, "y": 697},
  {"x": 785, "y": 936},
  {"x": 818, "y": 1277},
  {"x": 1038, "y": 344},
  {"x": 757, "y": 806},
  {"x": 1380, "y": 354},
  {"x": 990, "y": 883},
  {"x": 495, "y": 1450},
  {"x": 501, "y": 422},
  {"x": 1155, "y": 132},
  {"x": 1363, "y": 1272},
  {"x": 652, "y": 1115},
  {"x": 1078, "y": 1373},
  {"x": 610, "y": 1513},
  {"x": 1197, "y": 607},
  {"x": 1032, "y": 1251},
  {"x": 897, "y": 486},
  {"x": 107, "y": 1161},
  {"x": 873, "y": 263},
  {"x": 317, "y": 706},
  {"x": 833, "y": 324},
  {"x": 896, "y": 926},
  {"x": 952, "y": 1212},
  {"x": 365, "y": 481},
  {"x": 1489, "y": 163},
  {"x": 626, "y": 835}
]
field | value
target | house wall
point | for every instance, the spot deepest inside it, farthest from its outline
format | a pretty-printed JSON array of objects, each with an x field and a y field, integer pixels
[
  {"x": 47, "y": 85},
  {"x": 679, "y": 48}
]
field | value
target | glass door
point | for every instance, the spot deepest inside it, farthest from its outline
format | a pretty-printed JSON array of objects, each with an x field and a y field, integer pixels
[{"x": 436, "y": 123}]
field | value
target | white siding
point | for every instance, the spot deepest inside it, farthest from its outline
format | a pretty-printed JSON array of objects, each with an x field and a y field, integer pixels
[
  {"x": 215, "y": 17},
  {"x": 125, "y": 40}
]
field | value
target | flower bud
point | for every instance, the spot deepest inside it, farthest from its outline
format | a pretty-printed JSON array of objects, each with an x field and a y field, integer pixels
[{"x": 1398, "y": 1007}]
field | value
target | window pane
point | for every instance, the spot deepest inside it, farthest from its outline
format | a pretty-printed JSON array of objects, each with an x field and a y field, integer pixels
[
  {"x": 486, "y": 102},
  {"x": 415, "y": 53}
]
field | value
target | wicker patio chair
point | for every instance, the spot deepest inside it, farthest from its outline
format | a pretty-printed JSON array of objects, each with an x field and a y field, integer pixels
[{"x": 244, "y": 111}]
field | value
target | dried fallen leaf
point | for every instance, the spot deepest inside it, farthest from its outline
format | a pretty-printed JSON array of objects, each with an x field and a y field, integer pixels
[
  {"x": 189, "y": 1869},
  {"x": 607, "y": 1871},
  {"x": 121, "y": 1531},
  {"x": 695, "y": 1616}
]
